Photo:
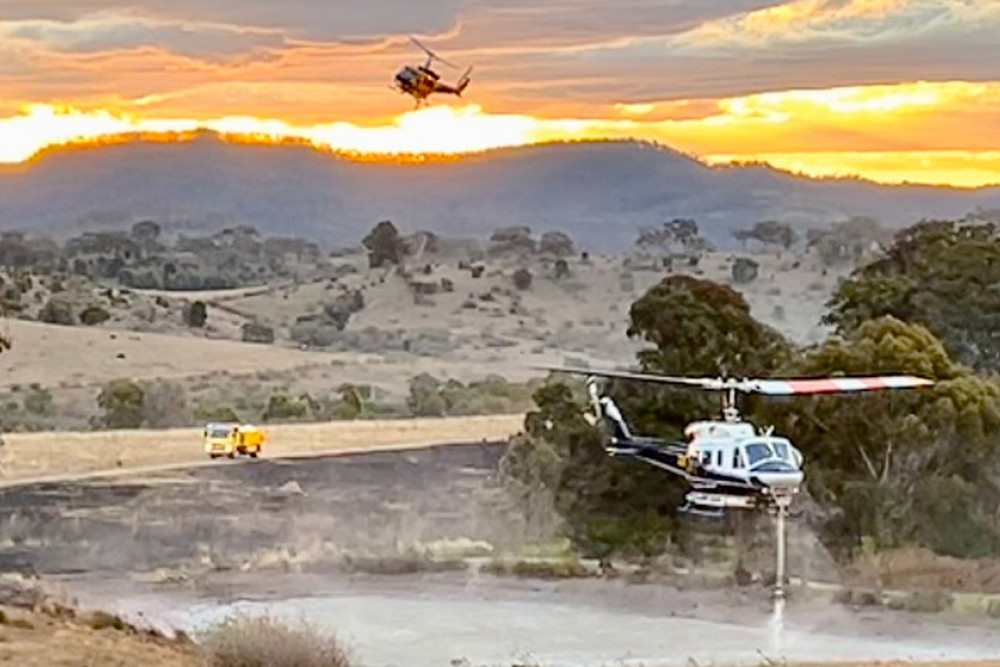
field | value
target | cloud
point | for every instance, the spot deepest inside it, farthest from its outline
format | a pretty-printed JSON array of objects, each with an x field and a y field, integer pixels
[
  {"x": 824, "y": 21},
  {"x": 112, "y": 32}
]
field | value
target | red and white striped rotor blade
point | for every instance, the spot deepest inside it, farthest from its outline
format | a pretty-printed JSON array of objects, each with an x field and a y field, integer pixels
[{"x": 840, "y": 385}]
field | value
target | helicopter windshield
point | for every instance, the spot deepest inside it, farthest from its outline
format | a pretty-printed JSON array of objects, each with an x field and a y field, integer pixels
[
  {"x": 766, "y": 450},
  {"x": 757, "y": 452}
]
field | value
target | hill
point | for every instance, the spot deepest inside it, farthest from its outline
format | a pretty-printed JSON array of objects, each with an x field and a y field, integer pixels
[{"x": 598, "y": 192}]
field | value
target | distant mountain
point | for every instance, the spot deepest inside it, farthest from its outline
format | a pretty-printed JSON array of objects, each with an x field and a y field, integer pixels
[{"x": 598, "y": 192}]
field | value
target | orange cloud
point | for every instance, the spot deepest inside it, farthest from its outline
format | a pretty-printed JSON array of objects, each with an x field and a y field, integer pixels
[{"x": 941, "y": 132}]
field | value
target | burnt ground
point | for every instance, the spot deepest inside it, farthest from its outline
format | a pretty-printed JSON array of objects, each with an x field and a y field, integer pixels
[{"x": 223, "y": 516}]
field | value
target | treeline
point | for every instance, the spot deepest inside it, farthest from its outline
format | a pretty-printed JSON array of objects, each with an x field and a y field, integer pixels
[
  {"x": 912, "y": 468},
  {"x": 141, "y": 258}
]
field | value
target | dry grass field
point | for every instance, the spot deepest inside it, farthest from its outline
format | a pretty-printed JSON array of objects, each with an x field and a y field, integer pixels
[{"x": 35, "y": 455}]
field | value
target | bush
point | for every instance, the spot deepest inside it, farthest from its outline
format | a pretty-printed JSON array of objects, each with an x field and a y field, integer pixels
[
  {"x": 215, "y": 413},
  {"x": 122, "y": 401},
  {"x": 282, "y": 406},
  {"x": 196, "y": 314},
  {"x": 265, "y": 642},
  {"x": 94, "y": 315},
  {"x": 255, "y": 332},
  {"x": 745, "y": 270},
  {"x": 522, "y": 279},
  {"x": 38, "y": 401},
  {"x": 57, "y": 311},
  {"x": 425, "y": 396},
  {"x": 164, "y": 405}
]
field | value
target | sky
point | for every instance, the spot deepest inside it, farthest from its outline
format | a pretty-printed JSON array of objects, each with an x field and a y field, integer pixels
[{"x": 891, "y": 90}]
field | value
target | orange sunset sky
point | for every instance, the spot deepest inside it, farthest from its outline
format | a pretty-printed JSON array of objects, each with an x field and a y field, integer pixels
[{"x": 892, "y": 90}]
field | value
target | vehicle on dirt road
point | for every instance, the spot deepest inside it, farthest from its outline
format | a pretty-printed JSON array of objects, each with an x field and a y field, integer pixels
[{"x": 231, "y": 439}]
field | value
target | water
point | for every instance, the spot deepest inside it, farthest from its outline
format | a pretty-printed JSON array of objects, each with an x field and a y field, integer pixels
[
  {"x": 435, "y": 629},
  {"x": 776, "y": 627}
]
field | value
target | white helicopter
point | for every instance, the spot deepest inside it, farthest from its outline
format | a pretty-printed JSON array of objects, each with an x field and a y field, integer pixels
[{"x": 726, "y": 463}]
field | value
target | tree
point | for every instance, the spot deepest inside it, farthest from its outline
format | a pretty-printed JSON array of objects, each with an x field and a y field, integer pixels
[
  {"x": 677, "y": 234},
  {"x": 384, "y": 245},
  {"x": 556, "y": 243},
  {"x": 912, "y": 467},
  {"x": 613, "y": 507},
  {"x": 769, "y": 233},
  {"x": 701, "y": 327},
  {"x": 196, "y": 314},
  {"x": 940, "y": 274},
  {"x": 122, "y": 401}
]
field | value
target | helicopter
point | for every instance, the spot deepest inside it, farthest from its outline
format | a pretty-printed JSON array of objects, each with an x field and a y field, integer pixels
[
  {"x": 421, "y": 81},
  {"x": 727, "y": 463}
]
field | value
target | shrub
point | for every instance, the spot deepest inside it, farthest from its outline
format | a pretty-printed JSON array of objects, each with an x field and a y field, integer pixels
[
  {"x": 122, "y": 401},
  {"x": 57, "y": 311},
  {"x": 265, "y": 642},
  {"x": 94, "y": 315},
  {"x": 215, "y": 413},
  {"x": 196, "y": 314},
  {"x": 100, "y": 620},
  {"x": 522, "y": 279},
  {"x": 282, "y": 406},
  {"x": 255, "y": 332},
  {"x": 38, "y": 401}
]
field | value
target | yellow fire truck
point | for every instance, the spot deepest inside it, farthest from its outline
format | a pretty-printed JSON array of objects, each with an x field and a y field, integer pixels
[{"x": 230, "y": 439}]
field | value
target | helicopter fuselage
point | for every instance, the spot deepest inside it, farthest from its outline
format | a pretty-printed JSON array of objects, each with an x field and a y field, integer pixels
[
  {"x": 421, "y": 82},
  {"x": 726, "y": 464}
]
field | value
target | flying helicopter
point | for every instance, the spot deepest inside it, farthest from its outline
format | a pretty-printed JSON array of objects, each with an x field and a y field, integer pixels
[
  {"x": 726, "y": 463},
  {"x": 421, "y": 81}
]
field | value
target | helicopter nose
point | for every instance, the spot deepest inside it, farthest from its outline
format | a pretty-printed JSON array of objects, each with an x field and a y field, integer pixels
[{"x": 786, "y": 479}]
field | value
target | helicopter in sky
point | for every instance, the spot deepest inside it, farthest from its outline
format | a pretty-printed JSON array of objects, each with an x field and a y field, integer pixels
[
  {"x": 727, "y": 463},
  {"x": 421, "y": 81}
]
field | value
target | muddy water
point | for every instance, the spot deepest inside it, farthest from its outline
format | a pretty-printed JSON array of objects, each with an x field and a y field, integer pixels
[{"x": 419, "y": 625}]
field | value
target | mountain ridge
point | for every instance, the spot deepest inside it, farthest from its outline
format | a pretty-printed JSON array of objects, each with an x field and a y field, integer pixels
[{"x": 600, "y": 192}]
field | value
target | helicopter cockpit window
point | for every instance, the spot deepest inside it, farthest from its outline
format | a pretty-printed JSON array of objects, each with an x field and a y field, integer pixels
[
  {"x": 757, "y": 452},
  {"x": 781, "y": 449}
]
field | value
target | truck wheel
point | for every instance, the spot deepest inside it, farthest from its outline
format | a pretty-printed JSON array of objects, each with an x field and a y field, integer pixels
[
  {"x": 231, "y": 455},
  {"x": 213, "y": 456},
  {"x": 253, "y": 455}
]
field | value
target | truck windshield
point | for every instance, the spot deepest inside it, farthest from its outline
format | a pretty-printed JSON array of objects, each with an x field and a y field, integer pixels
[{"x": 218, "y": 432}]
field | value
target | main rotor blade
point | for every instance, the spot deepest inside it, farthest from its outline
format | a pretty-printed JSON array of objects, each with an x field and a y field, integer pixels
[
  {"x": 704, "y": 383},
  {"x": 430, "y": 53},
  {"x": 838, "y": 385},
  {"x": 770, "y": 387}
]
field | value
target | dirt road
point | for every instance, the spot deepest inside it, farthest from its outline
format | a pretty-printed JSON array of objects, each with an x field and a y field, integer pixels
[{"x": 59, "y": 456}]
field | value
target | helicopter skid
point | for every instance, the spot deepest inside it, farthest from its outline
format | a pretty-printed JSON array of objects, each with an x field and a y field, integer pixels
[{"x": 720, "y": 500}]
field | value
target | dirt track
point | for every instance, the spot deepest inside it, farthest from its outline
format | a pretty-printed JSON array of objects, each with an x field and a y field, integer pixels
[{"x": 61, "y": 456}]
